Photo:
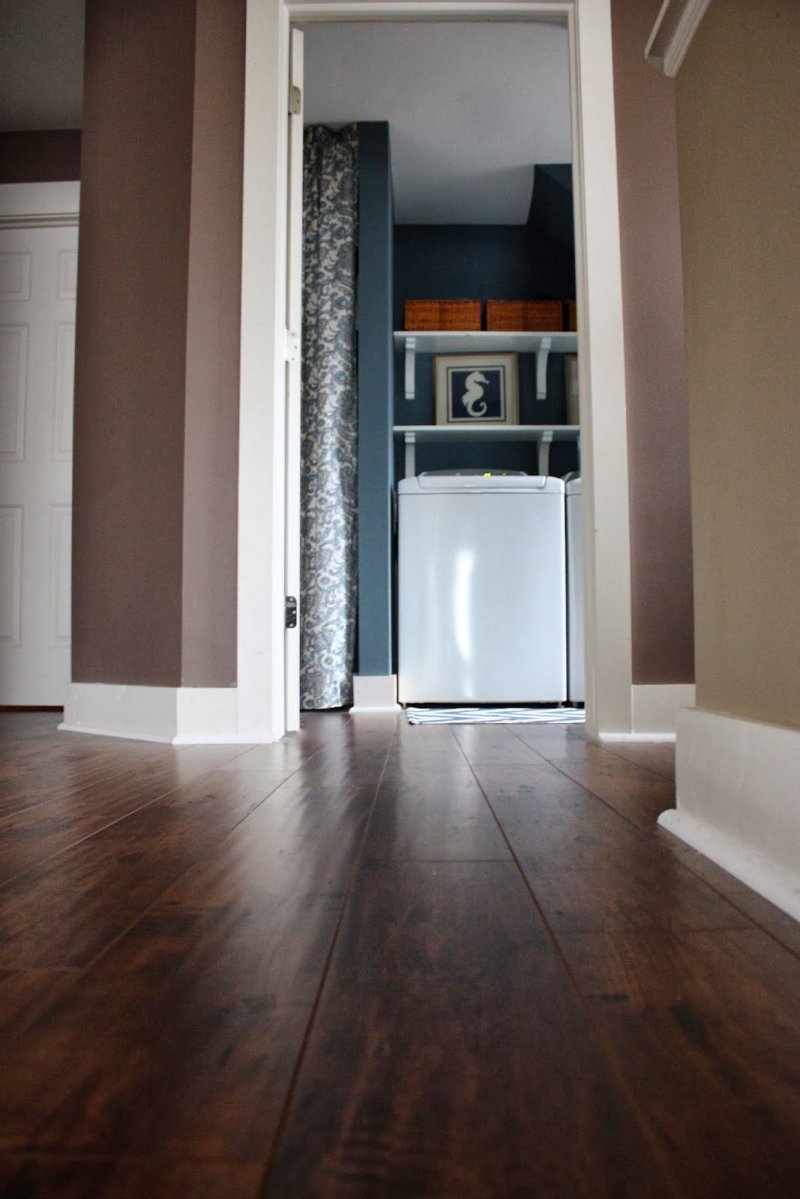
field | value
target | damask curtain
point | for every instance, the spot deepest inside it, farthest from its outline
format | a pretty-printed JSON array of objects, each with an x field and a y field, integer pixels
[{"x": 329, "y": 428}]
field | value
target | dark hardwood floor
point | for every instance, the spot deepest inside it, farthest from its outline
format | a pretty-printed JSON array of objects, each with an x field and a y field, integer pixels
[{"x": 377, "y": 960}]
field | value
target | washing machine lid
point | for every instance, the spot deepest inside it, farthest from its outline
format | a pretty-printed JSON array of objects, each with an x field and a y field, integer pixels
[{"x": 485, "y": 482}]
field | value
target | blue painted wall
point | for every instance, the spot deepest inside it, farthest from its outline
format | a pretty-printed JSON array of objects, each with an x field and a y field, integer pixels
[
  {"x": 375, "y": 399},
  {"x": 485, "y": 262},
  {"x": 430, "y": 262}
]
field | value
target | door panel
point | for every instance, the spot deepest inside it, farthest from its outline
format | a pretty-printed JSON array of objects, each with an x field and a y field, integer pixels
[{"x": 38, "y": 281}]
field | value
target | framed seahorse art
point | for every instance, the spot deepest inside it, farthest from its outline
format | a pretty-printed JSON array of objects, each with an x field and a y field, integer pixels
[{"x": 476, "y": 389}]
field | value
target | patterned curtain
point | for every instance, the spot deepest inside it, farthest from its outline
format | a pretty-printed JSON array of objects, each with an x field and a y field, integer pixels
[{"x": 329, "y": 430}]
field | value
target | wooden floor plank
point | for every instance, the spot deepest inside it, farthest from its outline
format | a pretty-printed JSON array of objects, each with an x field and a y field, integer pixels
[
  {"x": 380, "y": 960},
  {"x": 436, "y": 818},
  {"x": 64, "y": 912},
  {"x": 708, "y": 1027},
  {"x": 69, "y": 1178},
  {"x": 182, "y": 1041},
  {"x": 645, "y": 889},
  {"x": 450, "y": 1055}
]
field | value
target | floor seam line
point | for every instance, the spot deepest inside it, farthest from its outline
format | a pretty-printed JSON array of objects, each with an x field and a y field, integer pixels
[
  {"x": 288, "y": 1100},
  {"x": 607, "y": 1052}
]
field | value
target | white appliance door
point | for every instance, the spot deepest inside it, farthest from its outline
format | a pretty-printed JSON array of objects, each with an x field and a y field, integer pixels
[{"x": 482, "y": 580}]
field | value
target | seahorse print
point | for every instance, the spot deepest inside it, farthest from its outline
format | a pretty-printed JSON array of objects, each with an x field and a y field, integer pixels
[{"x": 473, "y": 396}]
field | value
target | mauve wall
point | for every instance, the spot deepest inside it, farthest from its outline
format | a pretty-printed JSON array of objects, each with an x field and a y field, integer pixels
[
  {"x": 157, "y": 358},
  {"x": 40, "y": 156},
  {"x": 211, "y": 454},
  {"x": 658, "y": 445},
  {"x": 130, "y": 367}
]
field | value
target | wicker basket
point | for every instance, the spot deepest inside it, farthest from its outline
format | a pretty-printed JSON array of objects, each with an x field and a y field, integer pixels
[
  {"x": 572, "y": 316},
  {"x": 436, "y": 315},
  {"x": 505, "y": 315},
  {"x": 422, "y": 314},
  {"x": 544, "y": 316},
  {"x": 517, "y": 316},
  {"x": 461, "y": 315}
]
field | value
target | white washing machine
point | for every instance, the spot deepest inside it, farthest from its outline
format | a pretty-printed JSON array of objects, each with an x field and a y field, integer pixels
[
  {"x": 576, "y": 681},
  {"x": 482, "y": 579}
]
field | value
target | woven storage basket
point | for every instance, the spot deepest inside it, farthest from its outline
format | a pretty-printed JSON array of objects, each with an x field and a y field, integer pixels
[
  {"x": 544, "y": 316},
  {"x": 505, "y": 315},
  {"x": 422, "y": 314},
  {"x": 572, "y": 316},
  {"x": 463, "y": 315}
]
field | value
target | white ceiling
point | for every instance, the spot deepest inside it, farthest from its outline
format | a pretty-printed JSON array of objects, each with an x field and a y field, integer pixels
[{"x": 471, "y": 108}]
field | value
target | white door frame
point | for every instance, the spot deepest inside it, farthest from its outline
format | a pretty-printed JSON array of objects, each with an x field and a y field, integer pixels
[{"x": 262, "y": 455}]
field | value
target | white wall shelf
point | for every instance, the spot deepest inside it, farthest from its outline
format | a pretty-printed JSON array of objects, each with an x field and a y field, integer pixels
[
  {"x": 481, "y": 342},
  {"x": 543, "y": 435}
]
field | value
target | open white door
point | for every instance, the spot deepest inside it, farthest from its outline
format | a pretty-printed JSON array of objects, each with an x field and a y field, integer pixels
[
  {"x": 38, "y": 277},
  {"x": 294, "y": 321}
]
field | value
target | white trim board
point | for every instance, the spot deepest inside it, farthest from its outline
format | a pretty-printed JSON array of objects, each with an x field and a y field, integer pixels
[
  {"x": 676, "y": 25},
  {"x": 33, "y": 205},
  {"x": 374, "y": 693},
  {"x": 176, "y": 715},
  {"x": 738, "y": 800},
  {"x": 655, "y": 706}
]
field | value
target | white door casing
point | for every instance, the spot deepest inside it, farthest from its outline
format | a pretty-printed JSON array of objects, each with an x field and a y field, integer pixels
[
  {"x": 263, "y": 672},
  {"x": 294, "y": 371},
  {"x": 38, "y": 285}
]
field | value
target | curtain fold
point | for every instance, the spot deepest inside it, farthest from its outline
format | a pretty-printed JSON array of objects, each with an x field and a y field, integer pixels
[{"x": 329, "y": 435}]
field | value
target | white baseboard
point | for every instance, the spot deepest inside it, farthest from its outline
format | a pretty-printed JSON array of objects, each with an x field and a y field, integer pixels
[
  {"x": 375, "y": 693},
  {"x": 176, "y": 715},
  {"x": 737, "y": 788},
  {"x": 654, "y": 709}
]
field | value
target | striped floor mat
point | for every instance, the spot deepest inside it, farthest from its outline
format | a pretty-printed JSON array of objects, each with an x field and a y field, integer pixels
[{"x": 496, "y": 715}]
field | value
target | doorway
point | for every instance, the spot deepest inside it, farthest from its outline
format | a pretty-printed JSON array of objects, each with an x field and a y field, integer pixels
[
  {"x": 453, "y": 123},
  {"x": 262, "y": 651}
]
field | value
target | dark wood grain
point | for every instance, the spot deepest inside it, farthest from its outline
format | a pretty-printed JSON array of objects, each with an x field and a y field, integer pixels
[
  {"x": 380, "y": 960},
  {"x": 435, "y": 818},
  {"x": 648, "y": 888},
  {"x": 64, "y": 912},
  {"x": 450, "y": 1056},
  {"x": 70, "y": 1178},
  {"x": 708, "y": 1028},
  {"x": 182, "y": 1041}
]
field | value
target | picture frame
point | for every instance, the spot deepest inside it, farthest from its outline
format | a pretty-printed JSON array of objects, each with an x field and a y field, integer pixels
[{"x": 477, "y": 389}]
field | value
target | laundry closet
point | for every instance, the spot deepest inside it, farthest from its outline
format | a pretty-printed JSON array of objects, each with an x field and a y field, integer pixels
[{"x": 475, "y": 231}]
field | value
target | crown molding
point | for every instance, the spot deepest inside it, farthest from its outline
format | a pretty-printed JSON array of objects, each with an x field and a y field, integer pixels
[{"x": 676, "y": 25}]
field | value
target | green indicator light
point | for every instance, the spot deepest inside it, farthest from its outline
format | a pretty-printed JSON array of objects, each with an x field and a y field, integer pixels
[{"x": 487, "y": 474}]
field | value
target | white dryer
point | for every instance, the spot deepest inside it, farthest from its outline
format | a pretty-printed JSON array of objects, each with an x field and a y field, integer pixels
[
  {"x": 575, "y": 589},
  {"x": 482, "y": 579}
]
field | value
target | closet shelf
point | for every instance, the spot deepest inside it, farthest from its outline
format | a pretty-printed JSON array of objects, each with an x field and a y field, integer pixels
[
  {"x": 481, "y": 342},
  {"x": 545, "y": 435}
]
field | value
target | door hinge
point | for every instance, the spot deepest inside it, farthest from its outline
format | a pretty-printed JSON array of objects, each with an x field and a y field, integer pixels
[
  {"x": 292, "y": 347},
  {"x": 295, "y": 100},
  {"x": 291, "y": 612}
]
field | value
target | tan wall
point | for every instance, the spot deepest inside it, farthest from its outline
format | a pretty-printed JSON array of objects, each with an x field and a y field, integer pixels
[
  {"x": 655, "y": 375},
  {"x": 738, "y": 110}
]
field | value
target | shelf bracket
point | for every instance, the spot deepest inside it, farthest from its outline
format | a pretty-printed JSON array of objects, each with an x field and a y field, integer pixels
[
  {"x": 411, "y": 455},
  {"x": 541, "y": 367},
  {"x": 543, "y": 451},
  {"x": 411, "y": 362}
]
